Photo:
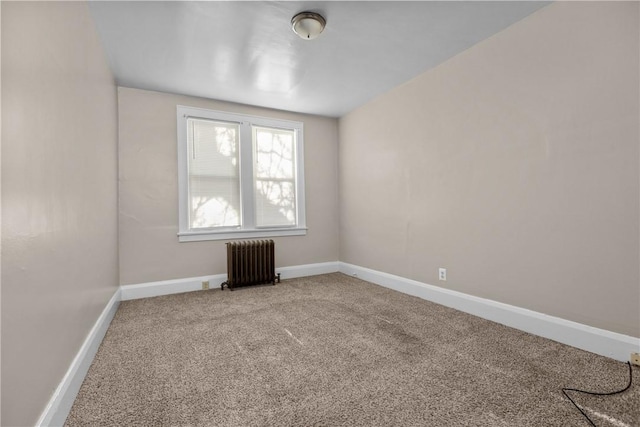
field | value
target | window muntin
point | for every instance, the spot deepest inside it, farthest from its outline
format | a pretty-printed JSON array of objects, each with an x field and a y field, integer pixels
[{"x": 239, "y": 176}]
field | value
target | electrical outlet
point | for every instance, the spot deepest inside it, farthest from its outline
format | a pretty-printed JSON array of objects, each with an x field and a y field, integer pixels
[
  {"x": 205, "y": 285},
  {"x": 635, "y": 359},
  {"x": 442, "y": 274}
]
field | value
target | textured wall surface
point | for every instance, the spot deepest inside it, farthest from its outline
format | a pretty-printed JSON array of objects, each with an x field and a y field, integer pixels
[
  {"x": 149, "y": 247},
  {"x": 59, "y": 196},
  {"x": 514, "y": 165}
]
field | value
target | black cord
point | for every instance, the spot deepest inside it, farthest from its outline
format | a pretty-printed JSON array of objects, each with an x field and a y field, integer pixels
[{"x": 565, "y": 390}]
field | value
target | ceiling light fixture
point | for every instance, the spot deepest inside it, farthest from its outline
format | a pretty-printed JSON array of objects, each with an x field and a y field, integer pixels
[{"x": 308, "y": 25}]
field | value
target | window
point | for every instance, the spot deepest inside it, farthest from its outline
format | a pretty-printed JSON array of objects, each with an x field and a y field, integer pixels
[{"x": 238, "y": 176}]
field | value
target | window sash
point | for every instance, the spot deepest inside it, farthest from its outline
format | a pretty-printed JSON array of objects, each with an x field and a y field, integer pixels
[
  {"x": 274, "y": 177},
  {"x": 210, "y": 167}
]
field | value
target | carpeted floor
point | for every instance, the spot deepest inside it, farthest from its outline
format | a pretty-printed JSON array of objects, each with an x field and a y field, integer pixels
[{"x": 333, "y": 350}]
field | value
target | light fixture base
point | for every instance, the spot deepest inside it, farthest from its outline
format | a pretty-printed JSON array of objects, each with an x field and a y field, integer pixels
[{"x": 308, "y": 25}]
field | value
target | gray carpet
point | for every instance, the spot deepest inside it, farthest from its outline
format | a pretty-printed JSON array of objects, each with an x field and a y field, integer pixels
[{"x": 333, "y": 350}]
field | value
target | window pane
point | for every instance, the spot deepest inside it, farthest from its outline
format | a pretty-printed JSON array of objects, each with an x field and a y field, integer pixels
[
  {"x": 214, "y": 180},
  {"x": 275, "y": 203},
  {"x": 274, "y": 173}
]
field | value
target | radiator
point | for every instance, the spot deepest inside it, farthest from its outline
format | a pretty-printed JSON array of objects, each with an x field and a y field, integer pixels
[{"x": 250, "y": 263}]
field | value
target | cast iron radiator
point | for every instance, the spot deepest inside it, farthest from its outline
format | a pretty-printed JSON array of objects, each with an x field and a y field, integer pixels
[{"x": 250, "y": 263}]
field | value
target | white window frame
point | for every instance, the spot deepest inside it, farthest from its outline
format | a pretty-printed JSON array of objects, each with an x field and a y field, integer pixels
[{"x": 248, "y": 228}]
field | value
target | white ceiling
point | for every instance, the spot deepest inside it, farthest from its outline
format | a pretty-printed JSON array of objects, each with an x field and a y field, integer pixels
[{"x": 245, "y": 52}]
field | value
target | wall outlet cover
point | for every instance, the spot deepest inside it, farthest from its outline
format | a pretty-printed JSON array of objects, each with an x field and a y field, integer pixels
[{"x": 635, "y": 359}]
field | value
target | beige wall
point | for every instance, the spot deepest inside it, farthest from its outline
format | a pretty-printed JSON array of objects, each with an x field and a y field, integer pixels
[
  {"x": 149, "y": 247},
  {"x": 59, "y": 197},
  {"x": 514, "y": 165}
]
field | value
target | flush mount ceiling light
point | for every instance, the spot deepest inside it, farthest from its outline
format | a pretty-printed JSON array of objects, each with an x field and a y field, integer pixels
[{"x": 308, "y": 25}]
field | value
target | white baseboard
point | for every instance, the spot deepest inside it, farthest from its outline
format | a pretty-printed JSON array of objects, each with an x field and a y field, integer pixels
[
  {"x": 599, "y": 341},
  {"x": 308, "y": 270},
  {"x": 57, "y": 410},
  {"x": 166, "y": 287}
]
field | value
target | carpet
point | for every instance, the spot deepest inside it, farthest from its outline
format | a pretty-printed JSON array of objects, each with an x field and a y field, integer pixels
[{"x": 333, "y": 350}]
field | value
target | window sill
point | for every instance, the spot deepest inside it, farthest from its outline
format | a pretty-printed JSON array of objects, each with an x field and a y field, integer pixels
[{"x": 199, "y": 236}]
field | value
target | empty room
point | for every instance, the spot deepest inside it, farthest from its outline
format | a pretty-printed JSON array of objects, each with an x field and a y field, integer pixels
[{"x": 320, "y": 213}]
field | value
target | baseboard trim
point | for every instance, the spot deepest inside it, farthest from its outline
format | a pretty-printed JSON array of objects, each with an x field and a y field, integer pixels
[
  {"x": 57, "y": 410},
  {"x": 606, "y": 343},
  {"x": 167, "y": 287},
  {"x": 308, "y": 270}
]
